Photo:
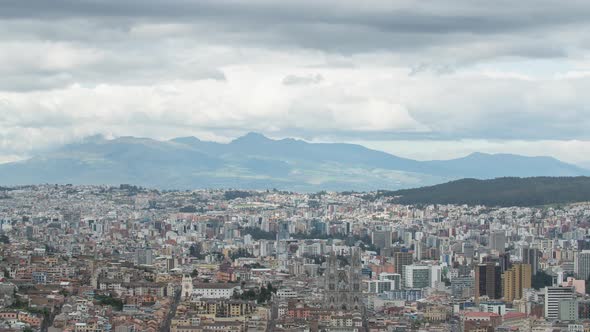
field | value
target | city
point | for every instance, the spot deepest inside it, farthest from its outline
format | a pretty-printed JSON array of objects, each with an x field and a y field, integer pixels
[
  {"x": 124, "y": 258},
  {"x": 294, "y": 166}
]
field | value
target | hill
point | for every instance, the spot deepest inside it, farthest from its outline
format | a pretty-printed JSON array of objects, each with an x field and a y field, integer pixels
[
  {"x": 254, "y": 161},
  {"x": 507, "y": 191}
]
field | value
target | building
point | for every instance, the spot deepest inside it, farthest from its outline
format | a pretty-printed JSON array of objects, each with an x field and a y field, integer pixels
[
  {"x": 401, "y": 259},
  {"x": 380, "y": 286},
  {"x": 514, "y": 280},
  {"x": 187, "y": 286},
  {"x": 531, "y": 256},
  {"x": 488, "y": 280},
  {"x": 342, "y": 286},
  {"x": 498, "y": 241},
  {"x": 286, "y": 293},
  {"x": 381, "y": 239},
  {"x": 144, "y": 256},
  {"x": 495, "y": 307},
  {"x": 568, "y": 310},
  {"x": 480, "y": 321},
  {"x": 578, "y": 284},
  {"x": 582, "y": 264},
  {"x": 215, "y": 290},
  {"x": 395, "y": 277},
  {"x": 462, "y": 287},
  {"x": 468, "y": 250},
  {"x": 421, "y": 276},
  {"x": 553, "y": 297}
]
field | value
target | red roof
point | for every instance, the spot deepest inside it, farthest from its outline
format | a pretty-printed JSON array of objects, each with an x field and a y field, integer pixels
[
  {"x": 513, "y": 315},
  {"x": 480, "y": 314}
]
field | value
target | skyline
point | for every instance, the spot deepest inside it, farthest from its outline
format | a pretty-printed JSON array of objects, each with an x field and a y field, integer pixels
[
  {"x": 294, "y": 165},
  {"x": 420, "y": 81}
]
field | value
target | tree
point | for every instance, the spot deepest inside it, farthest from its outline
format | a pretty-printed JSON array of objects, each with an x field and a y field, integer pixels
[
  {"x": 258, "y": 234},
  {"x": 188, "y": 209},
  {"x": 117, "y": 304},
  {"x": 271, "y": 288},
  {"x": 233, "y": 194}
]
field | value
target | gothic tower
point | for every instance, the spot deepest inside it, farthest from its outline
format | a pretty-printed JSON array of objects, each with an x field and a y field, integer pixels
[
  {"x": 342, "y": 286},
  {"x": 187, "y": 286}
]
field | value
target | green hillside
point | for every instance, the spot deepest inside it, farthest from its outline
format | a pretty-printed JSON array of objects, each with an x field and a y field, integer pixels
[{"x": 507, "y": 191}]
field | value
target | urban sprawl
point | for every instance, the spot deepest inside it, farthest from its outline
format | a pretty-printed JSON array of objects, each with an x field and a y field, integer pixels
[{"x": 127, "y": 259}]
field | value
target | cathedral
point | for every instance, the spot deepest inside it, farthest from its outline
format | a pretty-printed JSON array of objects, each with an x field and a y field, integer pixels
[{"x": 342, "y": 286}]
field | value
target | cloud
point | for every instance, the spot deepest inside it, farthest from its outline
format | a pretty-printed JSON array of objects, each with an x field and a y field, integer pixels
[
  {"x": 302, "y": 80},
  {"x": 376, "y": 70}
]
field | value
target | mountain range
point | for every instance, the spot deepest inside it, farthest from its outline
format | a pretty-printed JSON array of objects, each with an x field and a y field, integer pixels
[{"x": 254, "y": 161}]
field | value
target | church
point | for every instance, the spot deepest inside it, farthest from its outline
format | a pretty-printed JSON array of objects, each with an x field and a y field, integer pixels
[{"x": 342, "y": 286}]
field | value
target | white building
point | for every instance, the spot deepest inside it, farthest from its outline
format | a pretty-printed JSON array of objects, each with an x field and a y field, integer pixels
[
  {"x": 214, "y": 290},
  {"x": 187, "y": 286},
  {"x": 421, "y": 276},
  {"x": 553, "y": 296},
  {"x": 286, "y": 293}
]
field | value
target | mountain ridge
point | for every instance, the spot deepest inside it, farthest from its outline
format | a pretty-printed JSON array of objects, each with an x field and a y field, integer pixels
[
  {"x": 505, "y": 191},
  {"x": 254, "y": 161}
]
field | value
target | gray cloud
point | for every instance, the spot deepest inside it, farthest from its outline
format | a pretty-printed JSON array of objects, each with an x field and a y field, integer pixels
[
  {"x": 330, "y": 25},
  {"x": 396, "y": 70},
  {"x": 302, "y": 80}
]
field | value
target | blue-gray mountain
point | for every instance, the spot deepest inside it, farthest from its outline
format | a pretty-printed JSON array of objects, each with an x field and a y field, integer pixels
[{"x": 257, "y": 162}]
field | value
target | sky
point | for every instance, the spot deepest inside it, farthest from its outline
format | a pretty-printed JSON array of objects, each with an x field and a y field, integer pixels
[{"x": 425, "y": 79}]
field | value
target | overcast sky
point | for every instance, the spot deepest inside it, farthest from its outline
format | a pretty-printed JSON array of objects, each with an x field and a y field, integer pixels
[{"x": 426, "y": 79}]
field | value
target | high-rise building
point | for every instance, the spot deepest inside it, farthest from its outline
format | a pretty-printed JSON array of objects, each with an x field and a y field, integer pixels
[
  {"x": 395, "y": 277},
  {"x": 568, "y": 310},
  {"x": 582, "y": 264},
  {"x": 488, "y": 282},
  {"x": 283, "y": 231},
  {"x": 498, "y": 241},
  {"x": 418, "y": 250},
  {"x": 170, "y": 264},
  {"x": 468, "y": 250},
  {"x": 584, "y": 244},
  {"x": 531, "y": 256},
  {"x": 505, "y": 263},
  {"x": 380, "y": 286},
  {"x": 421, "y": 276},
  {"x": 401, "y": 259},
  {"x": 381, "y": 238},
  {"x": 514, "y": 280},
  {"x": 417, "y": 276},
  {"x": 553, "y": 296},
  {"x": 144, "y": 256},
  {"x": 462, "y": 287}
]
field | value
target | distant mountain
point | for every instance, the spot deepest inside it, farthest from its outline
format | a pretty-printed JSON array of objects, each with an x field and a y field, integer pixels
[
  {"x": 482, "y": 165},
  {"x": 254, "y": 161},
  {"x": 508, "y": 191}
]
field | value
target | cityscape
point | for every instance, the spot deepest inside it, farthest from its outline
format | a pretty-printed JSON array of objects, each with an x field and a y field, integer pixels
[
  {"x": 125, "y": 258},
  {"x": 294, "y": 166}
]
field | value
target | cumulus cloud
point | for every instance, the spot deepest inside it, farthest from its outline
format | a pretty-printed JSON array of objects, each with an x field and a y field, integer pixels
[{"x": 376, "y": 70}]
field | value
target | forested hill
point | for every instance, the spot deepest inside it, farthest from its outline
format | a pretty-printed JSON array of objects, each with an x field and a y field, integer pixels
[{"x": 506, "y": 191}]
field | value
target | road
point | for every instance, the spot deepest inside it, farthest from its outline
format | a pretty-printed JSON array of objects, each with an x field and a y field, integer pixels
[{"x": 166, "y": 325}]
